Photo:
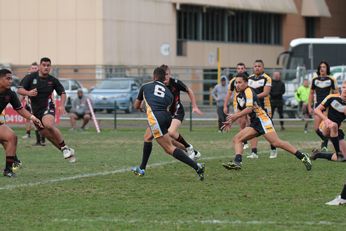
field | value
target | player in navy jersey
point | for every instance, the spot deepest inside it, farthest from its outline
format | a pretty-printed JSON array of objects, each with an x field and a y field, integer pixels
[
  {"x": 335, "y": 107},
  {"x": 321, "y": 85},
  {"x": 157, "y": 99},
  {"x": 260, "y": 124},
  {"x": 8, "y": 138},
  {"x": 39, "y": 86},
  {"x": 261, "y": 83}
]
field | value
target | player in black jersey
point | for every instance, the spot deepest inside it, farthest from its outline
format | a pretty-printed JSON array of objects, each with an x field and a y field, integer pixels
[
  {"x": 8, "y": 138},
  {"x": 39, "y": 87},
  {"x": 335, "y": 107},
  {"x": 260, "y": 124},
  {"x": 321, "y": 85},
  {"x": 158, "y": 99}
]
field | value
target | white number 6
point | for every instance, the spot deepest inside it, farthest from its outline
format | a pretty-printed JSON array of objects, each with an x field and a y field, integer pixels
[{"x": 159, "y": 91}]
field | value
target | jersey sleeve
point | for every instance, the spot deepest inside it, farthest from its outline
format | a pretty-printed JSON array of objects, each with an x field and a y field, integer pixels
[
  {"x": 140, "y": 94},
  {"x": 327, "y": 101},
  {"x": 59, "y": 87},
  {"x": 26, "y": 82},
  {"x": 249, "y": 97},
  {"x": 14, "y": 101},
  {"x": 181, "y": 85},
  {"x": 268, "y": 80}
]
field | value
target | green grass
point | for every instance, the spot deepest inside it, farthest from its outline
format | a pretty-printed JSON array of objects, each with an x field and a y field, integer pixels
[{"x": 266, "y": 194}]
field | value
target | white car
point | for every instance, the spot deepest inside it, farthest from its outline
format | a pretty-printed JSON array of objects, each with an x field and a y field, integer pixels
[{"x": 71, "y": 86}]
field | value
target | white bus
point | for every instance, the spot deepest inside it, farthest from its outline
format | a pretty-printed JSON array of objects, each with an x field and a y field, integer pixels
[{"x": 307, "y": 53}]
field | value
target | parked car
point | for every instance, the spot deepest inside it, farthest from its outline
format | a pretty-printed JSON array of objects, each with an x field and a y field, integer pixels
[
  {"x": 71, "y": 86},
  {"x": 123, "y": 91}
]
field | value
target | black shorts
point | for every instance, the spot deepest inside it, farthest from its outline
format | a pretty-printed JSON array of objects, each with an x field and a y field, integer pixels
[
  {"x": 80, "y": 116},
  {"x": 341, "y": 134},
  {"x": 45, "y": 111},
  {"x": 262, "y": 126},
  {"x": 159, "y": 122},
  {"x": 179, "y": 114}
]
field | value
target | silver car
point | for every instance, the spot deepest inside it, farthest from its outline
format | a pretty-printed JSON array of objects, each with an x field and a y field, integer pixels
[
  {"x": 115, "y": 92},
  {"x": 71, "y": 86}
]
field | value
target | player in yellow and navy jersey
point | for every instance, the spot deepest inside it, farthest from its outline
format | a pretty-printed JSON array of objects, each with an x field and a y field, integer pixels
[
  {"x": 261, "y": 83},
  {"x": 260, "y": 124},
  {"x": 240, "y": 69},
  {"x": 321, "y": 85},
  {"x": 158, "y": 99},
  {"x": 335, "y": 107}
]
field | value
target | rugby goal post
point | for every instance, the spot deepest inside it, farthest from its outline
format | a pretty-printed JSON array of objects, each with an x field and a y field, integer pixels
[{"x": 93, "y": 116}]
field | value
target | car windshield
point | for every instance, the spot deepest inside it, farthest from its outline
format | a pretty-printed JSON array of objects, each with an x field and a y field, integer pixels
[
  {"x": 114, "y": 84},
  {"x": 64, "y": 84}
]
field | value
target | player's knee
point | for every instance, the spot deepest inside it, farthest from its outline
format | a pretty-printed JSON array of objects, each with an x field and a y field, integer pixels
[{"x": 12, "y": 138}]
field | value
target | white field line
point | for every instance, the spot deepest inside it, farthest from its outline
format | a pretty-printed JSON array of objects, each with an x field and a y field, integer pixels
[
  {"x": 86, "y": 175},
  {"x": 205, "y": 222}
]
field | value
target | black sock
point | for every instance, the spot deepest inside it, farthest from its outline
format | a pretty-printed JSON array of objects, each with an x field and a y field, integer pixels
[
  {"x": 38, "y": 137},
  {"x": 245, "y": 142},
  {"x": 324, "y": 143},
  {"x": 9, "y": 162},
  {"x": 272, "y": 147},
  {"x": 28, "y": 132},
  {"x": 323, "y": 138},
  {"x": 238, "y": 158},
  {"x": 306, "y": 126},
  {"x": 343, "y": 193},
  {"x": 299, "y": 155},
  {"x": 254, "y": 150},
  {"x": 16, "y": 158},
  {"x": 324, "y": 155},
  {"x": 180, "y": 155},
  {"x": 43, "y": 139},
  {"x": 335, "y": 142},
  {"x": 62, "y": 144},
  {"x": 183, "y": 142},
  {"x": 147, "y": 147}
]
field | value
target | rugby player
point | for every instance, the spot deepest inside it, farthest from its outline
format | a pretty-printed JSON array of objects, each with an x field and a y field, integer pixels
[
  {"x": 39, "y": 86},
  {"x": 8, "y": 138},
  {"x": 321, "y": 85},
  {"x": 261, "y": 83},
  {"x": 260, "y": 124},
  {"x": 335, "y": 107},
  {"x": 158, "y": 99}
]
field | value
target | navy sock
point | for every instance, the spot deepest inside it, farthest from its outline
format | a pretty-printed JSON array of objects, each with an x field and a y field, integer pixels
[
  {"x": 238, "y": 158},
  {"x": 183, "y": 141},
  {"x": 272, "y": 147},
  {"x": 9, "y": 162},
  {"x": 180, "y": 155},
  {"x": 324, "y": 155},
  {"x": 147, "y": 147}
]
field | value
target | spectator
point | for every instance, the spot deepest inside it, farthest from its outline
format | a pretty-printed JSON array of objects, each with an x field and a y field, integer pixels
[
  {"x": 302, "y": 97},
  {"x": 80, "y": 110},
  {"x": 219, "y": 93},
  {"x": 276, "y": 93}
]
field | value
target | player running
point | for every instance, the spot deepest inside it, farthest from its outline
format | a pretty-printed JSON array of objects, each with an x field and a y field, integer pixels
[
  {"x": 39, "y": 87},
  {"x": 8, "y": 138},
  {"x": 158, "y": 99},
  {"x": 260, "y": 124}
]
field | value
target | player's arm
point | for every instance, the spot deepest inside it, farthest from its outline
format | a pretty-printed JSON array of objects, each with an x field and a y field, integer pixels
[
  {"x": 335, "y": 85},
  {"x": 138, "y": 102},
  {"x": 27, "y": 115},
  {"x": 310, "y": 100},
  {"x": 24, "y": 87},
  {"x": 195, "y": 107},
  {"x": 225, "y": 103},
  {"x": 266, "y": 92}
]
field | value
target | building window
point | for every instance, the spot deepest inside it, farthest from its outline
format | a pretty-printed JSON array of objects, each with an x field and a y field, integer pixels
[
  {"x": 224, "y": 25},
  {"x": 310, "y": 26}
]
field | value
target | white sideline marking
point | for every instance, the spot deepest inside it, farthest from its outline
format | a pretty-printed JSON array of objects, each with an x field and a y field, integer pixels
[
  {"x": 207, "y": 222},
  {"x": 80, "y": 176}
]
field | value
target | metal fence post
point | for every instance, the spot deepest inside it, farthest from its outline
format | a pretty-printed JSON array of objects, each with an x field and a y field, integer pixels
[
  {"x": 115, "y": 114},
  {"x": 190, "y": 117}
]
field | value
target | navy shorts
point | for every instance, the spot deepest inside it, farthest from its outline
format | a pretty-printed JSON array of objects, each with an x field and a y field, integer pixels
[
  {"x": 262, "y": 126},
  {"x": 159, "y": 122}
]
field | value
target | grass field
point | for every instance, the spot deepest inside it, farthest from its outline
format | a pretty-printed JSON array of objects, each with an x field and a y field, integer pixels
[{"x": 100, "y": 193}]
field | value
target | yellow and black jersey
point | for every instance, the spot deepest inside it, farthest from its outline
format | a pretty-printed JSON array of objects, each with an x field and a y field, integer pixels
[
  {"x": 335, "y": 107},
  {"x": 248, "y": 98},
  {"x": 257, "y": 83},
  {"x": 323, "y": 86}
]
